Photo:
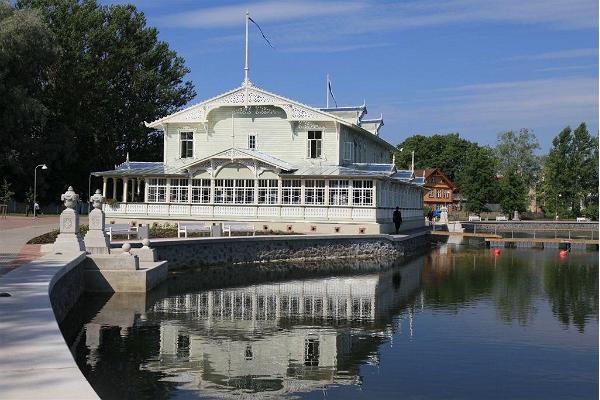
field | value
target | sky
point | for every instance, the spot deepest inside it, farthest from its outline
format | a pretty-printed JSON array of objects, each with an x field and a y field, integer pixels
[{"x": 477, "y": 67}]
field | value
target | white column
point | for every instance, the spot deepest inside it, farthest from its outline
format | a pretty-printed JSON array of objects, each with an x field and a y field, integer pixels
[
  {"x": 145, "y": 190},
  {"x": 350, "y": 194},
  {"x": 114, "y": 193},
  {"x": 125, "y": 189},
  {"x": 104, "y": 181}
]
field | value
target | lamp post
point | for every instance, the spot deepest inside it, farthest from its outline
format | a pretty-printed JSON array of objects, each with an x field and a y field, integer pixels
[
  {"x": 557, "y": 197},
  {"x": 35, "y": 185}
]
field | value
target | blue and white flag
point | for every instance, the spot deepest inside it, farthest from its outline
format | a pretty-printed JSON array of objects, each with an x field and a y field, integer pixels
[{"x": 331, "y": 93}]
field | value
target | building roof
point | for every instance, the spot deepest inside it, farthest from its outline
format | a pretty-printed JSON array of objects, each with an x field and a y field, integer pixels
[
  {"x": 140, "y": 168},
  {"x": 427, "y": 172}
]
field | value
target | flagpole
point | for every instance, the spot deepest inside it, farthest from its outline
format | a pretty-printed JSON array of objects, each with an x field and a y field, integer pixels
[
  {"x": 246, "y": 64},
  {"x": 327, "y": 92}
]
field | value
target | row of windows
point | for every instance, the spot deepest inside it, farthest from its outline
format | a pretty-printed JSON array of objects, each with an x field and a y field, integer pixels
[
  {"x": 242, "y": 191},
  {"x": 439, "y": 193}
]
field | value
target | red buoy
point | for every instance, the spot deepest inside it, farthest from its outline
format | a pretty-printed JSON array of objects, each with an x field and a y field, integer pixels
[
  {"x": 497, "y": 252},
  {"x": 563, "y": 253}
]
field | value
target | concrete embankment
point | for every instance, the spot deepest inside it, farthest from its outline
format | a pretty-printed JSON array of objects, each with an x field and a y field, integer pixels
[
  {"x": 193, "y": 253},
  {"x": 35, "y": 362}
]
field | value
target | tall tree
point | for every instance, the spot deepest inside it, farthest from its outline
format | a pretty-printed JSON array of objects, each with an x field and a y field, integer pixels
[
  {"x": 477, "y": 181},
  {"x": 516, "y": 151},
  {"x": 570, "y": 177},
  {"x": 513, "y": 191},
  {"x": 26, "y": 54},
  {"x": 112, "y": 74},
  {"x": 447, "y": 152}
]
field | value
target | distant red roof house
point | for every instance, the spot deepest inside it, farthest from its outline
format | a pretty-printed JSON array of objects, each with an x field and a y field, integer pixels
[{"x": 441, "y": 188}]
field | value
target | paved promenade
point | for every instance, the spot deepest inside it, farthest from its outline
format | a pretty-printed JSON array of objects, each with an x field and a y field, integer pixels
[{"x": 15, "y": 232}]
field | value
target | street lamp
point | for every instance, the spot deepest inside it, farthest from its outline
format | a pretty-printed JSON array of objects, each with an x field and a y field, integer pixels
[
  {"x": 35, "y": 185},
  {"x": 557, "y": 197}
]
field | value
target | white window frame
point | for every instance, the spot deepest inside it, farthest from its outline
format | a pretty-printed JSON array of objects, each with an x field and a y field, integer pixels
[
  {"x": 339, "y": 192},
  {"x": 200, "y": 191},
  {"x": 291, "y": 191},
  {"x": 157, "y": 190},
  {"x": 192, "y": 140},
  {"x": 314, "y": 191},
  {"x": 252, "y": 137},
  {"x": 179, "y": 190},
  {"x": 362, "y": 193},
  {"x": 318, "y": 145},
  {"x": 234, "y": 191},
  {"x": 268, "y": 191}
]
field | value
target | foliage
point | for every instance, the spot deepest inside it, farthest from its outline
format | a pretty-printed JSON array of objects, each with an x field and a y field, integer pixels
[
  {"x": 51, "y": 236},
  {"x": 5, "y": 193},
  {"x": 163, "y": 230},
  {"x": 570, "y": 176},
  {"x": 447, "y": 152},
  {"x": 29, "y": 196},
  {"x": 81, "y": 79},
  {"x": 513, "y": 192},
  {"x": 516, "y": 151},
  {"x": 477, "y": 180}
]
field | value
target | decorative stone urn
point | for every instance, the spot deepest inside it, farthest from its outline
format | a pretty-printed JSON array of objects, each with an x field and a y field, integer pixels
[
  {"x": 69, "y": 239},
  {"x": 443, "y": 215},
  {"x": 96, "y": 240}
]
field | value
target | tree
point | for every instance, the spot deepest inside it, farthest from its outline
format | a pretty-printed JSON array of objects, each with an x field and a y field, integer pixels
[
  {"x": 513, "y": 192},
  {"x": 447, "y": 152},
  {"x": 5, "y": 193},
  {"x": 516, "y": 151},
  {"x": 570, "y": 175},
  {"x": 477, "y": 181},
  {"x": 26, "y": 55},
  {"x": 112, "y": 74}
]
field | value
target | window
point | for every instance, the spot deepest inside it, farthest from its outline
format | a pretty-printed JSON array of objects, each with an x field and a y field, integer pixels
[
  {"x": 311, "y": 352},
  {"x": 252, "y": 142},
  {"x": 348, "y": 150},
  {"x": 291, "y": 191},
  {"x": 314, "y": 144},
  {"x": 234, "y": 191},
  {"x": 179, "y": 191},
  {"x": 187, "y": 144},
  {"x": 431, "y": 193},
  {"x": 314, "y": 192},
  {"x": 157, "y": 190},
  {"x": 362, "y": 193},
  {"x": 338, "y": 192},
  {"x": 267, "y": 191},
  {"x": 200, "y": 190}
]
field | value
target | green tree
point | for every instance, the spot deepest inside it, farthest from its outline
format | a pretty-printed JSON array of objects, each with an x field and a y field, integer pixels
[
  {"x": 570, "y": 175},
  {"x": 5, "y": 193},
  {"x": 447, "y": 152},
  {"x": 516, "y": 151},
  {"x": 26, "y": 55},
  {"x": 513, "y": 192},
  {"x": 477, "y": 181},
  {"x": 112, "y": 74}
]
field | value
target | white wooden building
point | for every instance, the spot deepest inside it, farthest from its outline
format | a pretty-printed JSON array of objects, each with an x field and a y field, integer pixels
[{"x": 252, "y": 155}]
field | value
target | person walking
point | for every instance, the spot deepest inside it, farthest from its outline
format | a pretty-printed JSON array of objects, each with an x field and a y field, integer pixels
[{"x": 397, "y": 218}]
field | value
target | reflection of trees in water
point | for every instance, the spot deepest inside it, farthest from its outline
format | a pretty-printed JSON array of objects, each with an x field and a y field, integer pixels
[
  {"x": 514, "y": 281},
  {"x": 573, "y": 292}
]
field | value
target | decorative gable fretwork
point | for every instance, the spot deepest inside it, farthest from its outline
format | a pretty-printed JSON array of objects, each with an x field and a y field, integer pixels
[{"x": 245, "y": 96}]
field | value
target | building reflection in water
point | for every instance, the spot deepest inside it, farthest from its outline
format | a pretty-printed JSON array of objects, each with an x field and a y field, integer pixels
[{"x": 276, "y": 338}]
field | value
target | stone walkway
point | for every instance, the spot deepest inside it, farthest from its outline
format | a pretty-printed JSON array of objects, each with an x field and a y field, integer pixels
[{"x": 15, "y": 232}]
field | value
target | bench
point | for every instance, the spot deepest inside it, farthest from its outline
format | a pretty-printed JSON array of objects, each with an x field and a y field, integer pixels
[
  {"x": 501, "y": 218},
  {"x": 583, "y": 219},
  {"x": 474, "y": 218},
  {"x": 191, "y": 227},
  {"x": 120, "y": 229},
  {"x": 238, "y": 227}
]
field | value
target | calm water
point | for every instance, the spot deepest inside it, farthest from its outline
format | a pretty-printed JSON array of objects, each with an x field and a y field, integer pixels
[{"x": 457, "y": 323}]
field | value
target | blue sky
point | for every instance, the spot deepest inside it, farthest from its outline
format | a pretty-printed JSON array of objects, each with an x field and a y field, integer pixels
[{"x": 476, "y": 67}]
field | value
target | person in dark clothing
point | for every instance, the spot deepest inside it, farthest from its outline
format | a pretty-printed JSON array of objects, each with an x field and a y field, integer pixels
[{"x": 397, "y": 218}]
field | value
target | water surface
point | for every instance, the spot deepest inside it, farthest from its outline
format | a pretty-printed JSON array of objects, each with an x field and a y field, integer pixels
[{"x": 458, "y": 323}]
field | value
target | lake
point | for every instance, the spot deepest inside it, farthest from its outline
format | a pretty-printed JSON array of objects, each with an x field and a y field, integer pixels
[{"x": 460, "y": 322}]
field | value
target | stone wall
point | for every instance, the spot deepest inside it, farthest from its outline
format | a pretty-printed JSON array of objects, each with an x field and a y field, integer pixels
[
  {"x": 499, "y": 226},
  {"x": 190, "y": 253}
]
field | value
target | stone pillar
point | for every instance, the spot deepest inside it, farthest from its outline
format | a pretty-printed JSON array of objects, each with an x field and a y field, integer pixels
[
  {"x": 96, "y": 241},
  {"x": 69, "y": 239},
  {"x": 125, "y": 184},
  {"x": 114, "y": 193},
  {"x": 104, "y": 182},
  {"x": 444, "y": 216}
]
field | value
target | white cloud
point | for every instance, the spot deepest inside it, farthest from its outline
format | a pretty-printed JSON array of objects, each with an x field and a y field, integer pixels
[{"x": 561, "y": 54}]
